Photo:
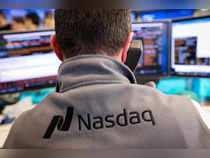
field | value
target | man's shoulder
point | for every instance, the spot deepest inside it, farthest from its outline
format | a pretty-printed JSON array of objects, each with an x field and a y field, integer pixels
[
  {"x": 21, "y": 120},
  {"x": 145, "y": 90}
]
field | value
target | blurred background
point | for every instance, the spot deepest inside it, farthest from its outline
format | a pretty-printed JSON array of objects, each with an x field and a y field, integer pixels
[{"x": 26, "y": 19}]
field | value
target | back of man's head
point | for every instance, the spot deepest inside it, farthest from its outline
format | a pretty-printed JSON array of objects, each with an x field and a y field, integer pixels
[{"x": 92, "y": 31}]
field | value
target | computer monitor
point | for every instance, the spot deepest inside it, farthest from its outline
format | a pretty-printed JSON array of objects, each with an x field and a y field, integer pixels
[
  {"x": 190, "y": 53},
  {"x": 152, "y": 15},
  {"x": 27, "y": 61},
  {"x": 156, "y": 40}
]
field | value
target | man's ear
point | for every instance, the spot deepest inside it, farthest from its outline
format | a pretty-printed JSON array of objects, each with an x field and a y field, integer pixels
[
  {"x": 126, "y": 47},
  {"x": 56, "y": 48}
]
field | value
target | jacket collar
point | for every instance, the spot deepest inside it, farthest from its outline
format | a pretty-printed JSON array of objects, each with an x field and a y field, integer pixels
[{"x": 92, "y": 69}]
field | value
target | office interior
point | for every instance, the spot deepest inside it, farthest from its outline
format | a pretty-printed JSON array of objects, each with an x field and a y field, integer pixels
[{"x": 13, "y": 102}]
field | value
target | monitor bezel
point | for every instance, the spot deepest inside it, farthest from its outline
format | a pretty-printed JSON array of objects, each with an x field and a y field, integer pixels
[
  {"x": 158, "y": 76},
  {"x": 27, "y": 89},
  {"x": 184, "y": 75}
]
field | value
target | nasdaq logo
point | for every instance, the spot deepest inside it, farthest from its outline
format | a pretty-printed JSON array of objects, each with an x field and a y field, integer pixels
[
  {"x": 60, "y": 123},
  {"x": 123, "y": 119},
  {"x": 89, "y": 122}
]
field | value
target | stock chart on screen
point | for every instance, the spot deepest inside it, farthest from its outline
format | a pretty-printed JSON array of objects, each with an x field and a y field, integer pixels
[{"x": 27, "y": 61}]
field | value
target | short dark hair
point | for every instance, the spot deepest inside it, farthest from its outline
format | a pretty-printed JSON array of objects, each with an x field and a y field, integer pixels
[
  {"x": 34, "y": 18},
  {"x": 92, "y": 31},
  {"x": 19, "y": 20}
]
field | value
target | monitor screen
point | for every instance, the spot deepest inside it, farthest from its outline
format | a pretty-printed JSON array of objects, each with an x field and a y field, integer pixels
[
  {"x": 155, "y": 37},
  {"x": 166, "y": 14},
  {"x": 190, "y": 53},
  {"x": 27, "y": 61}
]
